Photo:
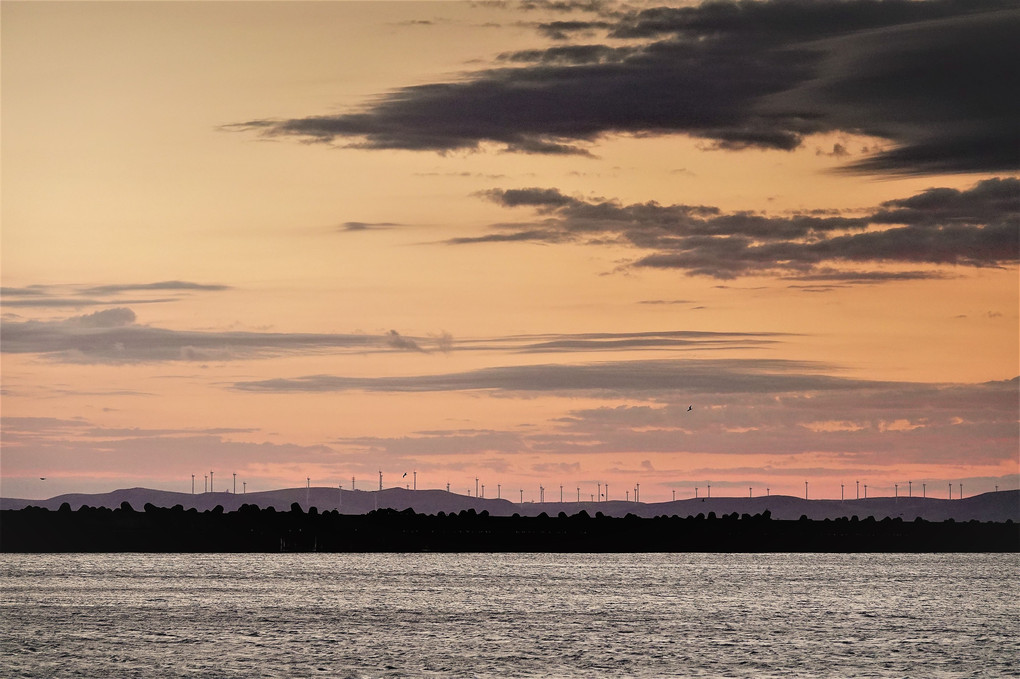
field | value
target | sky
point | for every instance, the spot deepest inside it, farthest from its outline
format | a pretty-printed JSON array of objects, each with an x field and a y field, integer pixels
[{"x": 762, "y": 247}]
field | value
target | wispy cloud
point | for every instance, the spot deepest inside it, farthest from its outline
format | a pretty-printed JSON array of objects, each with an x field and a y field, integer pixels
[
  {"x": 834, "y": 424},
  {"x": 80, "y": 296},
  {"x": 367, "y": 226},
  {"x": 395, "y": 340},
  {"x": 738, "y": 74},
  {"x": 172, "y": 286},
  {"x": 114, "y": 336},
  {"x": 635, "y": 378},
  {"x": 80, "y": 449},
  {"x": 977, "y": 227},
  {"x": 879, "y": 424}
]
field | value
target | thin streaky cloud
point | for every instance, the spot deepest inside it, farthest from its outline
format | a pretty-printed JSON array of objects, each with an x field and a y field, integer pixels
[
  {"x": 78, "y": 296},
  {"x": 79, "y": 302},
  {"x": 882, "y": 425},
  {"x": 182, "y": 286},
  {"x": 647, "y": 377},
  {"x": 367, "y": 226},
  {"x": 113, "y": 336}
]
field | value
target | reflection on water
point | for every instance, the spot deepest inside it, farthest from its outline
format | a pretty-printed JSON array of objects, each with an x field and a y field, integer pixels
[{"x": 509, "y": 615}]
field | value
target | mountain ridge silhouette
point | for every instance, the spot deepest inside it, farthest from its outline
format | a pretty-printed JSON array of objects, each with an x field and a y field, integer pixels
[{"x": 995, "y": 506}]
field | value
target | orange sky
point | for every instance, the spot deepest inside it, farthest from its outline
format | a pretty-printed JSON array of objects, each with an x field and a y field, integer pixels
[{"x": 320, "y": 240}]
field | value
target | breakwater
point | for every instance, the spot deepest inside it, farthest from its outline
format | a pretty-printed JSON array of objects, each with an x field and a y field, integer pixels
[{"x": 252, "y": 529}]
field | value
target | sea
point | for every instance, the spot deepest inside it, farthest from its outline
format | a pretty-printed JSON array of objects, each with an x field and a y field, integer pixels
[{"x": 509, "y": 615}]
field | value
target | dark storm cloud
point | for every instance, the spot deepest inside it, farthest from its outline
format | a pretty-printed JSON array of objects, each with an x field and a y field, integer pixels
[
  {"x": 977, "y": 227},
  {"x": 867, "y": 277},
  {"x": 987, "y": 202},
  {"x": 533, "y": 236},
  {"x": 562, "y": 30},
  {"x": 568, "y": 54},
  {"x": 565, "y": 5},
  {"x": 937, "y": 79}
]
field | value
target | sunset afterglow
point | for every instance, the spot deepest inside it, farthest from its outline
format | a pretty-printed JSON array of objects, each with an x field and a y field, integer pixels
[{"x": 541, "y": 244}]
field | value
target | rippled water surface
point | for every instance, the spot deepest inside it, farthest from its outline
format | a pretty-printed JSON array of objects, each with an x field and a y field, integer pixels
[{"x": 509, "y": 615}]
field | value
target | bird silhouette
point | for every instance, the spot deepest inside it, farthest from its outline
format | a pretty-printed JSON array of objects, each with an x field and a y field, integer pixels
[
  {"x": 690, "y": 408},
  {"x": 42, "y": 478},
  {"x": 404, "y": 476}
]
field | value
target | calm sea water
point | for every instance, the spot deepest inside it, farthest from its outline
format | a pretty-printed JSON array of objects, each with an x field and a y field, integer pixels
[{"x": 509, "y": 615}]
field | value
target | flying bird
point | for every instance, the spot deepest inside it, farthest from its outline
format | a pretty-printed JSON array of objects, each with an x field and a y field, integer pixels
[
  {"x": 42, "y": 478},
  {"x": 690, "y": 408},
  {"x": 404, "y": 476}
]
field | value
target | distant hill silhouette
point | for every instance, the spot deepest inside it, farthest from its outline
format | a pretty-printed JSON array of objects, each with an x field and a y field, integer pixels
[{"x": 998, "y": 506}]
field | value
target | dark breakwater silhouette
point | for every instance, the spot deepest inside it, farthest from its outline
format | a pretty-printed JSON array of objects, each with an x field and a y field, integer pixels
[{"x": 252, "y": 529}]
